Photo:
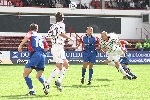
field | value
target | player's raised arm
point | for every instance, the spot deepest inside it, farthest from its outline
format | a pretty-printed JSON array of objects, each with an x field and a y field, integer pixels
[
  {"x": 79, "y": 43},
  {"x": 26, "y": 38},
  {"x": 127, "y": 43},
  {"x": 65, "y": 36},
  {"x": 46, "y": 47}
]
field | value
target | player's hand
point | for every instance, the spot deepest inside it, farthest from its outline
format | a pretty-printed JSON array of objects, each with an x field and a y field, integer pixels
[
  {"x": 20, "y": 48},
  {"x": 129, "y": 44}
]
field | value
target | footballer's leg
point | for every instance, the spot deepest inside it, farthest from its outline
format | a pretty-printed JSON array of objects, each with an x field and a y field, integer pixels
[
  {"x": 120, "y": 68},
  {"x": 90, "y": 73},
  {"x": 32, "y": 62},
  {"x": 85, "y": 64},
  {"x": 56, "y": 52},
  {"x": 92, "y": 60},
  {"x": 62, "y": 72},
  {"x": 28, "y": 80}
]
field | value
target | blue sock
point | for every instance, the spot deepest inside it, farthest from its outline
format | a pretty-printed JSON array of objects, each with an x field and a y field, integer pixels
[
  {"x": 41, "y": 79},
  {"x": 29, "y": 82},
  {"x": 83, "y": 72},
  {"x": 125, "y": 68},
  {"x": 90, "y": 74},
  {"x": 130, "y": 73}
]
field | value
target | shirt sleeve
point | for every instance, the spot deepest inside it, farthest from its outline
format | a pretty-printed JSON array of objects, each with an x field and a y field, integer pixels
[
  {"x": 97, "y": 40},
  {"x": 45, "y": 44},
  {"x": 62, "y": 28},
  {"x": 48, "y": 34},
  {"x": 28, "y": 35},
  {"x": 122, "y": 42}
]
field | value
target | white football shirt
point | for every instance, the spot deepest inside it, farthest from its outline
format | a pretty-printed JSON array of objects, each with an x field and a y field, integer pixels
[
  {"x": 54, "y": 33},
  {"x": 111, "y": 44}
]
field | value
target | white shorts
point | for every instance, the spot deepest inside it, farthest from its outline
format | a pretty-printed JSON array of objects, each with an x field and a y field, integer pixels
[
  {"x": 58, "y": 53},
  {"x": 115, "y": 56}
]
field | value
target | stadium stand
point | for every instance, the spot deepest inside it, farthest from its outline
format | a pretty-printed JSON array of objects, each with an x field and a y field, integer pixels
[
  {"x": 10, "y": 43},
  {"x": 83, "y": 4}
]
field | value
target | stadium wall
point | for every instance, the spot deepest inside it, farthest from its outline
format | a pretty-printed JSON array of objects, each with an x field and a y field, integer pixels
[
  {"x": 130, "y": 28},
  {"x": 74, "y": 57},
  {"x": 131, "y": 24}
]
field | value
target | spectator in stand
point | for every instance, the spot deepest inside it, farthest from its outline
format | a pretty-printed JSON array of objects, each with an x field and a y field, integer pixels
[
  {"x": 146, "y": 46},
  {"x": 114, "y": 4},
  {"x": 110, "y": 5},
  {"x": 147, "y": 39},
  {"x": 26, "y": 2},
  {"x": 58, "y": 5},
  {"x": 132, "y": 4},
  {"x": 80, "y": 6},
  {"x": 67, "y": 2},
  {"x": 143, "y": 5},
  {"x": 52, "y": 5},
  {"x": 126, "y": 4},
  {"x": 63, "y": 2},
  {"x": 138, "y": 5},
  {"x": 120, "y": 4},
  {"x": 138, "y": 46},
  {"x": 85, "y": 6}
]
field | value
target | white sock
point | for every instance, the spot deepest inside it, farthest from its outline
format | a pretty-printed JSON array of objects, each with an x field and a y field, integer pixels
[
  {"x": 53, "y": 75},
  {"x": 61, "y": 74},
  {"x": 111, "y": 63},
  {"x": 32, "y": 89},
  {"x": 122, "y": 70}
]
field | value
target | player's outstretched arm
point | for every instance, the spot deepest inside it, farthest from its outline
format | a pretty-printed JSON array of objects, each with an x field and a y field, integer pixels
[
  {"x": 65, "y": 36},
  {"x": 127, "y": 43},
  {"x": 78, "y": 45},
  {"x": 22, "y": 43}
]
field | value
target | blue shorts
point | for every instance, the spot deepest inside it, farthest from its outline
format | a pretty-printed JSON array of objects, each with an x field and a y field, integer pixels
[
  {"x": 125, "y": 61},
  {"x": 89, "y": 56},
  {"x": 37, "y": 60}
]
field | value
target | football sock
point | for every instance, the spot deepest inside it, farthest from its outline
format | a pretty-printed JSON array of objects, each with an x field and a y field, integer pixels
[
  {"x": 130, "y": 73},
  {"x": 61, "y": 74},
  {"x": 83, "y": 72},
  {"x": 32, "y": 89},
  {"x": 29, "y": 82},
  {"x": 53, "y": 75},
  {"x": 125, "y": 68},
  {"x": 41, "y": 79},
  {"x": 90, "y": 74},
  {"x": 122, "y": 70}
]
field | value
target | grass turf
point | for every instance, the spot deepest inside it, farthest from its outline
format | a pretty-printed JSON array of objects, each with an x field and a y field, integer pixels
[{"x": 107, "y": 84}]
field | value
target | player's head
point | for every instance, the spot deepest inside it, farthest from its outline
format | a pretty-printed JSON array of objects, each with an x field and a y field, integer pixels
[
  {"x": 59, "y": 16},
  {"x": 104, "y": 35},
  {"x": 34, "y": 27},
  {"x": 89, "y": 30}
]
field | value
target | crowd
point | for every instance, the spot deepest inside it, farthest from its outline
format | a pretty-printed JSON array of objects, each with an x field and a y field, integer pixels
[
  {"x": 143, "y": 46},
  {"x": 93, "y": 4},
  {"x": 128, "y": 4}
]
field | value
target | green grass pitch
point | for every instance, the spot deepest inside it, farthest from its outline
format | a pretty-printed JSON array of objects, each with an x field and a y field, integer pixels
[{"x": 107, "y": 84}]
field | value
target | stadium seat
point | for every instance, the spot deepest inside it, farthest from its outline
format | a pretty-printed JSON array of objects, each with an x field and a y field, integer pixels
[{"x": 9, "y": 43}]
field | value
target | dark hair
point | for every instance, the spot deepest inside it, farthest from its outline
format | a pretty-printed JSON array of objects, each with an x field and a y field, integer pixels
[
  {"x": 59, "y": 16},
  {"x": 33, "y": 26}
]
